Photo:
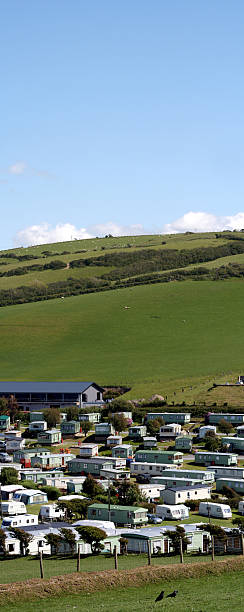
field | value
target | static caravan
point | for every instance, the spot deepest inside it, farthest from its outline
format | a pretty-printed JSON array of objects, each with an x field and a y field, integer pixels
[
  {"x": 102, "y": 431},
  {"x": 234, "y": 444},
  {"x": 240, "y": 431},
  {"x": 183, "y": 443},
  {"x": 51, "y": 512},
  {"x": 170, "y": 417},
  {"x": 227, "y": 472},
  {"x": 13, "y": 507},
  {"x": 88, "y": 450},
  {"x": 4, "y": 422},
  {"x": 114, "y": 474},
  {"x": 158, "y": 456},
  {"x": 234, "y": 483},
  {"x": 50, "y": 436},
  {"x": 70, "y": 428},
  {"x": 22, "y": 520},
  {"x": 148, "y": 469},
  {"x": 113, "y": 441},
  {"x": 204, "y": 476},
  {"x": 170, "y": 432},
  {"x": 241, "y": 507},
  {"x": 123, "y": 450},
  {"x": 235, "y": 419},
  {"x": 37, "y": 426},
  {"x": 166, "y": 511},
  {"x": 177, "y": 482},
  {"x": 208, "y": 458},
  {"x": 179, "y": 495},
  {"x": 150, "y": 442},
  {"x": 120, "y": 515},
  {"x": 91, "y": 417},
  {"x": 215, "y": 510},
  {"x": 137, "y": 432}
]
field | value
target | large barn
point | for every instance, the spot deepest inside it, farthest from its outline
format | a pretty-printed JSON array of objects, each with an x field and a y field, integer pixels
[{"x": 40, "y": 395}]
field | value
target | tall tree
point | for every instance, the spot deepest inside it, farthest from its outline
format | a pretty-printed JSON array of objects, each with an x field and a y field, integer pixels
[
  {"x": 52, "y": 416},
  {"x": 176, "y": 537},
  {"x": 8, "y": 476},
  {"x": 3, "y": 541},
  {"x": 129, "y": 494},
  {"x": 68, "y": 537},
  {"x": 54, "y": 540},
  {"x": 91, "y": 487}
]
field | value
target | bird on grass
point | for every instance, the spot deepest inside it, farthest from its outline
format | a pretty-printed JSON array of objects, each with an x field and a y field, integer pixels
[
  {"x": 172, "y": 594},
  {"x": 160, "y": 596}
]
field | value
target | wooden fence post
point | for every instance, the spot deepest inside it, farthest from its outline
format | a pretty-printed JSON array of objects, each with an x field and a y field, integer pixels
[
  {"x": 115, "y": 558},
  {"x": 181, "y": 552},
  {"x": 78, "y": 560},
  {"x": 212, "y": 541},
  {"x": 41, "y": 564},
  {"x": 149, "y": 552}
]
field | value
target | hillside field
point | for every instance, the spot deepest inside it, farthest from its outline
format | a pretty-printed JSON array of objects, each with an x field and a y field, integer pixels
[{"x": 173, "y": 336}]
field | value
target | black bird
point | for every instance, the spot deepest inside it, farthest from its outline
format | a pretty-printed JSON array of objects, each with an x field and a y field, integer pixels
[
  {"x": 172, "y": 594},
  {"x": 160, "y": 596}
]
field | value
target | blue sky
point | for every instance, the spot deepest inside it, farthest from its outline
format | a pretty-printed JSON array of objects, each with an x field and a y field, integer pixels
[{"x": 120, "y": 116}]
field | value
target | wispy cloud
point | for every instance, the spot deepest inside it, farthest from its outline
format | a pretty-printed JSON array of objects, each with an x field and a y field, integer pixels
[
  {"x": 18, "y": 168},
  {"x": 62, "y": 232},
  {"x": 204, "y": 222}
]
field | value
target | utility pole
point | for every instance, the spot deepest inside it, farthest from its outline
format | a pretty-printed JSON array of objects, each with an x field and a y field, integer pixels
[
  {"x": 115, "y": 558},
  {"x": 41, "y": 564},
  {"x": 181, "y": 551},
  {"x": 148, "y": 552}
]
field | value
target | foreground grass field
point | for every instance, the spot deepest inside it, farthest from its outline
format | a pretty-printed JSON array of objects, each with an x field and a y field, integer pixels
[
  {"x": 172, "y": 337},
  {"x": 206, "y": 594},
  {"x": 15, "y": 570}
]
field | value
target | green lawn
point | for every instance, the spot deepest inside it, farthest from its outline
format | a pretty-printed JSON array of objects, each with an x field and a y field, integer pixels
[
  {"x": 207, "y": 594},
  {"x": 15, "y": 570},
  {"x": 173, "y": 334}
]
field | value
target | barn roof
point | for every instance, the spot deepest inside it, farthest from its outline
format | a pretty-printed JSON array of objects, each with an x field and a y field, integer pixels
[{"x": 12, "y": 387}]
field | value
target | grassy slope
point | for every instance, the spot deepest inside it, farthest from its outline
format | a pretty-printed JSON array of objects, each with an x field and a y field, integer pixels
[
  {"x": 174, "y": 335},
  {"x": 205, "y": 594}
]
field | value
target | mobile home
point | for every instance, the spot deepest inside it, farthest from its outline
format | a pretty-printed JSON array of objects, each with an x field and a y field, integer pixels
[
  {"x": 88, "y": 449},
  {"x": 208, "y": 458},
  {"x": 206, "y": 477},
  {"x": 234, "y": 444},
  {"x": 137, "y": 432},
  {"x": 13, "y": 507},
  {"x": 235, "y": 419},
  {"x": 169, "y": 432},
  {"x": 123, "y": 450},
  {"x": 120, "y": 515},
  {"x": 158, "y": 456},
  {"x": 241, "y": 507},
  {"x": 234, "y": 483},
  {"x": 51, "y": 512},
  {"x": 20, "y": 521},
  {"x": 179, "y": 495},
  {"x": 170, "y": 417},
  {"x": 226, "y": 472},
  {"x": 215, "y": 510},
  {"x": 148, "y": 469},
  {"x": 70, "y": 428},
  {"x": 102, "y": 431},
  {"x": 183, "y": 443},
  {"x": 50, "y": 436}
]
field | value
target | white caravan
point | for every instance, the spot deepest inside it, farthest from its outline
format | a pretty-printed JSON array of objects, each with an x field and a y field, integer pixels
[
  {"x": 215, "y": 510},
  {"x": 11, "y": 508},
  {"x": 21, "y": 520},
  {"x": 51, "y": 513},
  {"x": 171, "y": 512}
]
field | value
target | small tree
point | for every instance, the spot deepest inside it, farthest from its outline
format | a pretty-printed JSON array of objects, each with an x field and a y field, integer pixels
[
  {"x": 54, "y": 540},
  {"x": 92, "y": 536},
  {"x": 91, "y": 487},
  {"x": 239, "y": 521},
  {"x": 9, "y": 476},
  {"x": 3, "y": 541},
  {"x": 129, "y": 494},
  {"x": 86, "y": 426},
  {"x": 119, "y": 422},
  {"x": 154, "y": 425},
  {"x": 224, "y": 426},
  {"x": 13, "y": 408},
  {"x": 176, "y": 537},
  {"x": 72, "y": 413},
  {"x": 53, "y": 493},
  {"x": 52, "y": 416},
  {"x": 212, "y": 444},
  {"x": 75, "y": 508},
  {"x": 68, "y": 537},
  {"x": 23, "y": 537},
  {"x": 3, "y": 406}
]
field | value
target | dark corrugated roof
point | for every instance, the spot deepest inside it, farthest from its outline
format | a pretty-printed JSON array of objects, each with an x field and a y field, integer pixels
[{"x": 45, "y": 387}]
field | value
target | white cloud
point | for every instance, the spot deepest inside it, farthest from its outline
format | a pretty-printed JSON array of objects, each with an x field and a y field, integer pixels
[
  {"x": 44, "y": 233},
  {"x": 204, "y": 222},
  {"x": 17, "y": 168}
]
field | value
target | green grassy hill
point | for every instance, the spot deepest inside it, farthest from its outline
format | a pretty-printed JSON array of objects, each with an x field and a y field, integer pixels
[{"x": 173, "y": 338}]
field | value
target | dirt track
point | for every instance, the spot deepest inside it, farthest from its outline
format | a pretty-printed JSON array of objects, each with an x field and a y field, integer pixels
[{"x": 96, "y": 581}]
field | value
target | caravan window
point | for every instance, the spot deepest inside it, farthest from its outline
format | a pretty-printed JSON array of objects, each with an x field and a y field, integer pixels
[{"x": 11, "y": 548}]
